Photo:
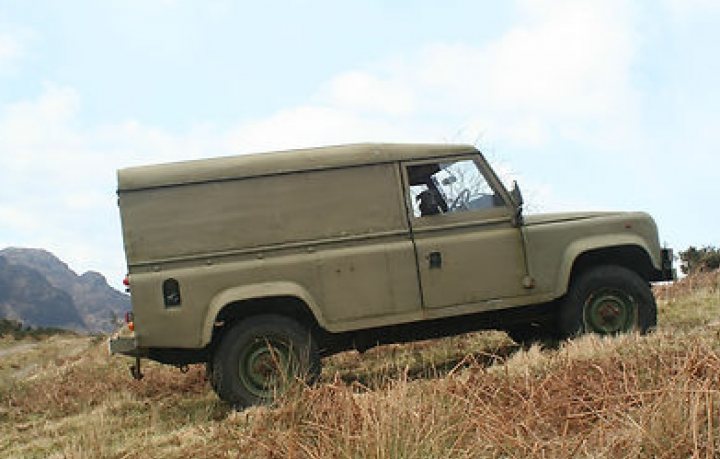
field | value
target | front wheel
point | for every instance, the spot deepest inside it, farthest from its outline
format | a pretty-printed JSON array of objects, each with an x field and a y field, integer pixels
[
  {"x": 259, "y": 357},
  {"x": 608, "y": 300}
]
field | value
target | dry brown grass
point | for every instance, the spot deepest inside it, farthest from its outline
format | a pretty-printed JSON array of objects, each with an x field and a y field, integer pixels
[
  {"x": 689, "y": 302},
  {"x": 623, "y": 397},
  {"x": 702, "y": 282},
  {"x": 475, "y": 396}
]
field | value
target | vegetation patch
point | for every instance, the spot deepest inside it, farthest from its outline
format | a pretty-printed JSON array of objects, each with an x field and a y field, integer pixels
[{"x": 16, "y": 330}]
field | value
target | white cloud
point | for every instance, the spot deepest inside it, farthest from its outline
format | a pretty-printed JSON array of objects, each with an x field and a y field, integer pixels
[
  {"x": 13, "y": 46},
  {"x": 692, "y": 7},
  {"x": 39, "y": 123},
  {"x": 9, "y": 48},
  {"x": 563, "y": 71},
  {"x": 84, "y": 201},
  {"x": 365, "y": 92},
  {"x": 572, "y": 59},
  {"x": 16, "y": 219},
  {"x": 317, "y": 125},
  {"x": 566, "y": 65}
]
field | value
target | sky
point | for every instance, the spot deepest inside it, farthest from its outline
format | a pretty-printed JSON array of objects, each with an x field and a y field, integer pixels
[{"x": 588, "y": 104}]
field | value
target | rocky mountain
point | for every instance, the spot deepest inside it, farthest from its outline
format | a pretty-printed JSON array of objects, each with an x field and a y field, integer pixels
[
  {"x": 26, "y": 295},
  {"x": 40, "y": 290}
]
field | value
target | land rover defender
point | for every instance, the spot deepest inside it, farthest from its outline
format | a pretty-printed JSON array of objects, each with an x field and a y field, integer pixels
[{"x": 259, "y": 265}]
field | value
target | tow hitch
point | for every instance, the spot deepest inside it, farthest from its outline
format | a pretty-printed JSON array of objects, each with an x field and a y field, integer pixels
[{"x": 135, "y": 370}]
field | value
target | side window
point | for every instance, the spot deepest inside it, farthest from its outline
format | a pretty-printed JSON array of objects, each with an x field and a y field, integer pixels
[{"x": 456, "y": 186}]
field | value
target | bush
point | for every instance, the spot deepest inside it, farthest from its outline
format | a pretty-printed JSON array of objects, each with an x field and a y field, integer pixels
[
  {"x": 8, "y": 326},
  {"x": 695, "y": 260},
  {"x": 18, "y": 331}
]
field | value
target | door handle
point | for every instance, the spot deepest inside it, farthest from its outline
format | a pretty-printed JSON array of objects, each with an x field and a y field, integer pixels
[{"x": 435, "y": 260}]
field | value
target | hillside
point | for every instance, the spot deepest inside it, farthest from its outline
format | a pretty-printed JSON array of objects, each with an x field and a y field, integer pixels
[
  {"x": 473, "y": 396},
  {"x": 42, "y": 291},
  {"x": 27, "y": 296}
]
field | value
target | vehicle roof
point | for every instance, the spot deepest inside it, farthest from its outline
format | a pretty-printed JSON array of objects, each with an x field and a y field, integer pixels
[{"x": 279, "y": 162}]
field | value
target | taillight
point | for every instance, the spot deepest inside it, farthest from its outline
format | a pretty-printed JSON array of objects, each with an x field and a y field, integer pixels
[{"x": 130, "y": 320}]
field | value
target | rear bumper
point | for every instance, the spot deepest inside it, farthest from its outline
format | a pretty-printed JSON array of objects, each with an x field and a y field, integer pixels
[{"x": 125, "y": 345}]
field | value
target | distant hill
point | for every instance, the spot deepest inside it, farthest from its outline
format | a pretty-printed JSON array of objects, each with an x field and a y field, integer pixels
[{"x": 40, "y": 290}]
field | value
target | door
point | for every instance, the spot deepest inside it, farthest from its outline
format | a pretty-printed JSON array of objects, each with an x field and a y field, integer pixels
[{"x": 467, "y": 248}]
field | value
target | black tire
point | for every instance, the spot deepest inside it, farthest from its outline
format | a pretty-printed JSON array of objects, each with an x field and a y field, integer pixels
[
  {"x": 607, "y": 300},
  {"x": 526, "y": 335},
  {"x": 259, "y": 357}
]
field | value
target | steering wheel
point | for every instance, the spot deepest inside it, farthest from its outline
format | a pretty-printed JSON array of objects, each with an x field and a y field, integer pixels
[{"x": 461, "y": 201}]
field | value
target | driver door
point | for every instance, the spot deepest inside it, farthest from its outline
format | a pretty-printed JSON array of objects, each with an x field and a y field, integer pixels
[{"x": 467, "y": 248}]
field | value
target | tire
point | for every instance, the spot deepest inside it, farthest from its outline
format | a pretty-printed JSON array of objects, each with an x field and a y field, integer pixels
[
  {"x": 526, "y": 335},
  {"x": 607, "y": 300},
  {"x": 259, "y": 358}
]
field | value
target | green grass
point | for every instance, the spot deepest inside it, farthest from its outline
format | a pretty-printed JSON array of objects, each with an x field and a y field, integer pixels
[{"x": 477, "y": 395}]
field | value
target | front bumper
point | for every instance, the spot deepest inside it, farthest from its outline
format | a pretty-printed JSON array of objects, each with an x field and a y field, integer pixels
[{"x": 667, "y": 273}]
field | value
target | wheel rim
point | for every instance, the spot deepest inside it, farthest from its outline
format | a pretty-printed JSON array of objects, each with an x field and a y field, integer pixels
[
  {"x": 610, "y": 311},
  {"x": 265, "y": 367}
]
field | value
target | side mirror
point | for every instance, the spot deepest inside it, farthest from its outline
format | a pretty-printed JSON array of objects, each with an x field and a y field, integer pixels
[{"x": 516, "y": 194}]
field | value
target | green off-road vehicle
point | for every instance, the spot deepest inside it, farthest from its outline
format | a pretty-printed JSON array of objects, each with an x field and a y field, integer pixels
[{"x": 259, "y": 265}]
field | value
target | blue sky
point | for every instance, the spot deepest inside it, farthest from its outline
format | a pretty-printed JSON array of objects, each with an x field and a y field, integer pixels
[{"x": 588, "y": 104}]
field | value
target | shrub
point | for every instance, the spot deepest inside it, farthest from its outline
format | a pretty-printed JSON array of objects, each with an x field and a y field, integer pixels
[{"x": 700, "y": 260}]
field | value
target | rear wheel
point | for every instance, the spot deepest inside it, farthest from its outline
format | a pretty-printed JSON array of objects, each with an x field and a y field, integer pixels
[
  {"x": 533, "y": 333},
  {"x": 608, "y": 300},
  {"x": 260, "y": 357}
]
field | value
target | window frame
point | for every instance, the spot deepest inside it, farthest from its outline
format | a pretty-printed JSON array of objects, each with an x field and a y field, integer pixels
[{"x": 494, "y": 214}]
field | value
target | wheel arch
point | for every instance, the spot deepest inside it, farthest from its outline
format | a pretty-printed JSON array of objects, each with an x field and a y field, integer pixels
[
  {"x": 631, "y": 253},
  {"x": 280, "y": 298}
]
